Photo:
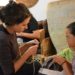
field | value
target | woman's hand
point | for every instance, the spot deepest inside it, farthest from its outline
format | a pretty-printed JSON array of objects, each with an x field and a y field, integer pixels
[
  {"x": 36, "y": 33},
  {"x": 32, "y": 50}
]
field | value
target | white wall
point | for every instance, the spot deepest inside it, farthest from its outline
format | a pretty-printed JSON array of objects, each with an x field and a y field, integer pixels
[
  {"x": 4, "y": 2},
  {"x": 38, "y": 11}
]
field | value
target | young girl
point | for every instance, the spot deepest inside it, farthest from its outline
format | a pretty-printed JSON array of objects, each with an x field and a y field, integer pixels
[
  {"x": 15, "y": 19},
  {"x": 70, "y": 36}
]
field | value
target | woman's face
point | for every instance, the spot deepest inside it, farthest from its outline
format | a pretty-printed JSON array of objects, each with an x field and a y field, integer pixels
[
  {"x": 70, "y": 39},
  {"x": 22, "y": 26}
]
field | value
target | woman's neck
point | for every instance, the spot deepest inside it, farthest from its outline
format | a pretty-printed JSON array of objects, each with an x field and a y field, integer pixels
[{"x": 10, "y": 30}]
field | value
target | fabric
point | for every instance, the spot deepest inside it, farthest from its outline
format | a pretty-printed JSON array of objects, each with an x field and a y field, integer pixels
[
  {"x": 67, "y": 54},
  {"x": 33, "y": 25},
  {"x": 73, "y": 65},
  {"x": 8, "y": 51},
  {"x": 29, "y": 69}
]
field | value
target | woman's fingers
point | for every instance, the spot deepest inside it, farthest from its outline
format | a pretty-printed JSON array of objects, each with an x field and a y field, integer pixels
[{"x": 33, "y": 50}]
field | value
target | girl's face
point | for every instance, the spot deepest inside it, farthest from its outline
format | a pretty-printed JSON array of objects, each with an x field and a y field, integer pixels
[
  {"x": 70, "y": 39},
  {"x": 22, "y": 26}
]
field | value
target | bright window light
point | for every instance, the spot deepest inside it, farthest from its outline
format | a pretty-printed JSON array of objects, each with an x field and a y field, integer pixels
[{"x": 4, "y": 2}]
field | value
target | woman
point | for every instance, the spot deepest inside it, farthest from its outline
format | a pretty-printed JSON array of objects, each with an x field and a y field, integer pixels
[
  {"x": 28, "y": 34},
  {"x": 70, "y": 35},
  {"x": 15, "y": 19}
]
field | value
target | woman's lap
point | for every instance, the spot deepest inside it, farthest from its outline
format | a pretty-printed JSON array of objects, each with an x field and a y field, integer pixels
[{"x": 29, "y": 69}]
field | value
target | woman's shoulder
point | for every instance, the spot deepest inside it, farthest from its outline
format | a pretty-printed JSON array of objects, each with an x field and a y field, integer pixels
[{"x": 3, "y": 35}]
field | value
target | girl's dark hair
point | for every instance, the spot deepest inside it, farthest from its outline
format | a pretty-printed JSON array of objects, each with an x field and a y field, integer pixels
[
  {"x": 14, "y": 13},
  {"x": 71, "y": 27}
]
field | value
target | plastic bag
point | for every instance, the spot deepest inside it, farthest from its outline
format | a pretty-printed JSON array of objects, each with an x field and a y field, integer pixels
[{"x": 51, "y": 68}]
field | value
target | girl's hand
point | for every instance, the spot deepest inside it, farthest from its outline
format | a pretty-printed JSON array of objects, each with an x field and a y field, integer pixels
[{"x": 59, "y": 59}]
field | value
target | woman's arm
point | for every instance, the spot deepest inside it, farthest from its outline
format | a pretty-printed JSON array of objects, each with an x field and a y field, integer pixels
[
  {"x": 34, "y": 35},
  {"x": 19, "y": 63}
]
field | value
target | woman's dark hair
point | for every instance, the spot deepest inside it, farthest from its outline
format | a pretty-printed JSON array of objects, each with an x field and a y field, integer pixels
[
  {"x": 14, "y": 13},
  {"x": 71, "y": 27}
]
